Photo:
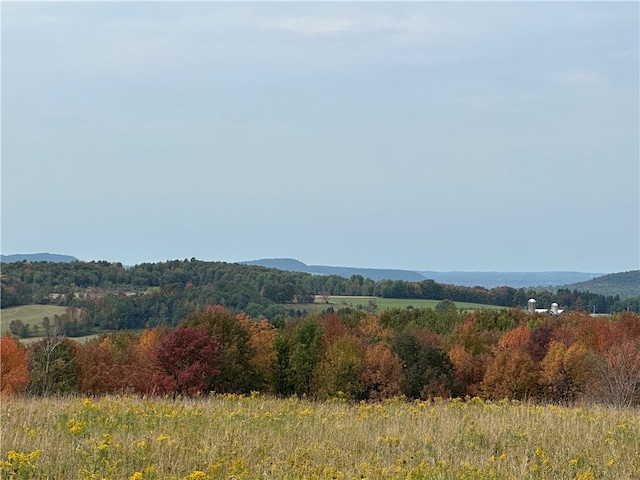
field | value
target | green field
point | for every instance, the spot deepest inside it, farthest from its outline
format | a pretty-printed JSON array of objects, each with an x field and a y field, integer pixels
[
  {"x": 343, "y": 301},
  {"x": 29, "y": 314},
  {"x": 256, "y": 437},
  {"x": 33, "y": 315}
]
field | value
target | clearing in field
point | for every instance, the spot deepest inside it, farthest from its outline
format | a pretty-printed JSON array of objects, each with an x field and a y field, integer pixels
[
  {"x": 344, "y": 301},
  {"x": 254, "y": 437},
  {"x": 32, "y": 315},
  {"x": 29, "y": 314}
]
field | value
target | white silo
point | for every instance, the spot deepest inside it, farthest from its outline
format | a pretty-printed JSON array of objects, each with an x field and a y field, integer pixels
[
  {"x": 554, "y": 308},
  {"x": 531, "y": 305}
]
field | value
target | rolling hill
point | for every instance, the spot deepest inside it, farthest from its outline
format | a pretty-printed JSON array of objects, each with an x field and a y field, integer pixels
[
  {"x": 292, "y": 265},
  {"x": 625, "y": 284},
  {"x": 510, "y": 279},
  {"x": 465, "y": 279}
]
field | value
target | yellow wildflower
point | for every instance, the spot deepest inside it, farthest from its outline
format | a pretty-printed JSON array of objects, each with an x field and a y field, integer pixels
[{"x": 197, "y": 475}]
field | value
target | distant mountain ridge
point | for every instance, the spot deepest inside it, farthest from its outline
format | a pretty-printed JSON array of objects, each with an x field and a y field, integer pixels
[
  {"x": 37, "y": 257},
  {"x": 293, "y": 265},
  {"x": 466, "y": 279}
]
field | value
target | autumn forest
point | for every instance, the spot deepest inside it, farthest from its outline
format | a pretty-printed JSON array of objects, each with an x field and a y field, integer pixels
[{"x": 188, "y": 328}]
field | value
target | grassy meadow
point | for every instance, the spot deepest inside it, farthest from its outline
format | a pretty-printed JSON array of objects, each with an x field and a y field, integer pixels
[
  {"x": 343, "y": 301},
  {"x": 29, "y": 314},
  {"x": 251, "y": 437},
  {"x": 33, "y": 315}
]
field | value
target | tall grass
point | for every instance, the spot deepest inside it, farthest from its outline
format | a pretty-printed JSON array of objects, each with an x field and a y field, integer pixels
[{"x": 256, "y": 437}]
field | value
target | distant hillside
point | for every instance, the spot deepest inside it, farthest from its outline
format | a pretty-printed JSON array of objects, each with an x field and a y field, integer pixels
[
  {"x": 465, "y": 279},
  {"x": 625, "y": 284},
  {"x": 292, "y": 265},
  {"x": 37, "y": 257},
  {"x": 286, "y": 264},
  {"x": 510, "y": 279},
  {"x": 167, "y": 291}
]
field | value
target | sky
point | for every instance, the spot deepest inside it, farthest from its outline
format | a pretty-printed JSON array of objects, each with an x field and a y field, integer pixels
[{"x": 480, "y": 136}]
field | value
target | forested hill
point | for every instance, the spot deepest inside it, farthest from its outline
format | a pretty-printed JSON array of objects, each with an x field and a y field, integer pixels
[
  {"x": 625, "y": 284},
  {"x": 512, "y": 279},
  {"x": 152, "y": 294},
  {"x": 467, "y": 279}
]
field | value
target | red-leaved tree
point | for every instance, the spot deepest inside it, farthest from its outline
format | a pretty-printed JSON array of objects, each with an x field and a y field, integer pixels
[{"x": 188, "y": 359}]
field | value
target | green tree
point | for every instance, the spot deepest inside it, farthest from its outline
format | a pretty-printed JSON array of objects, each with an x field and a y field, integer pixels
[
  {"x": 46, "y": 325},
  {"x": 428, "y": 370},
  {"x": 52, "y": 366},
  {"x": 307, "y": 342},
  {"x": 282, "y": 374},
  {"x": 235, "y": 352},
  {"x": 340, "y": 369},
  {"x": 19, "y": 328}
]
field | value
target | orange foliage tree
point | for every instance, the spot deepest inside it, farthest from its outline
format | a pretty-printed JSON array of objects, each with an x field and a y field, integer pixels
[
  {"x": 469, "y": 368},
  {"x": 382, "y": 375},
  {"x": 333, "y": 328},
  {"x": 262, "y": 337},
  {"x": 370, "y": 330},
  {"x": 14, "y": 374},
  {"x": 566, "y": 371},
  {"x": 513, "y": 373},
  {"x": 619, "y": 360},
  {"x": 97, "y": 370}
]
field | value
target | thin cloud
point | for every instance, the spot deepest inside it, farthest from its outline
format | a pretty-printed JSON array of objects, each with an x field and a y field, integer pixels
[
  {"x": 580, "y": 78},
  {"x": 516, "y": 101},
  {"x": 420, "y": 23},
  {"x": 310, "y": 25}
]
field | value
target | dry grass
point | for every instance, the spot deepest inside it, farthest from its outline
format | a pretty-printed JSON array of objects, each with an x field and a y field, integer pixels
[{"x": 257, "y": 437}]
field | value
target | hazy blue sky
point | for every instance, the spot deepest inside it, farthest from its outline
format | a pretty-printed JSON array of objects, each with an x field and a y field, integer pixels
[{"x": 426, "y": 136}]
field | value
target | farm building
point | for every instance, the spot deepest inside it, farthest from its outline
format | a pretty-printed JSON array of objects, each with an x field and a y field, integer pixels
[{"x": 531, "y": 308}]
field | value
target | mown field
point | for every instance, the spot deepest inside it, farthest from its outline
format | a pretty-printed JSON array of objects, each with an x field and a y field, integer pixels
[
  {"x": 341, "y": 301},
  {"x": 29, "y": 314},
  {"x": 33, "y": 314},
  {"x": 256, "y": 437}
]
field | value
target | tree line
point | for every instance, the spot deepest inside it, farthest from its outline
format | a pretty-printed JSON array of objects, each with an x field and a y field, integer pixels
[
  {"x": 155, "y": 294},
  {"x": 353, "y": 354}
]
